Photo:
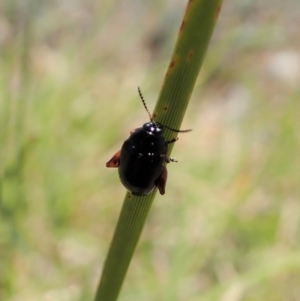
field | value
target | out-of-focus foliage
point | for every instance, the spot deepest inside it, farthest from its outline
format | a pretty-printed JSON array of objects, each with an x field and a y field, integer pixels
[{"x": 228, "y": 227}]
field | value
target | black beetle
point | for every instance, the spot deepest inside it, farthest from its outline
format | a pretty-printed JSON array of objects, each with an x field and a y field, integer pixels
[{"x": 142, "y": 159}]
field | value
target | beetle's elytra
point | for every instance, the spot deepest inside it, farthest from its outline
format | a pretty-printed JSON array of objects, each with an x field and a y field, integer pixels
[{"x": 142, "y": 159}]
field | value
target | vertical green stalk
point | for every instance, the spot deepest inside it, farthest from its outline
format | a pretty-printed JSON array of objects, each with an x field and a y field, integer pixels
[{"x": 193, "y": 38}]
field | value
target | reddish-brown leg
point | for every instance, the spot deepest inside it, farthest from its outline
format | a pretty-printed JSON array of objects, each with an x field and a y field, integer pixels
[
  {"x": 114, "y": 161},
  {"x": 131, "y": 132},
  {"x": 162, "y": 180}
]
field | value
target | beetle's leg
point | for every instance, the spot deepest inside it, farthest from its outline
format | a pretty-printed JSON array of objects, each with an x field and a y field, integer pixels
[
  {"x": 172, "y": 141},
  {"x": 131, "y": 132},
  {"x": 168, "y": 160},
  {"x": 114, "y": 161},
  {"x": 161, "y": 181}
]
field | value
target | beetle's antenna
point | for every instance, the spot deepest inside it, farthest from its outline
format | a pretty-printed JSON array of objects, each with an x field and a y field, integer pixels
[
  {"x": 177, "y": 131},
  {"x": 144, "y": 103},
  {"x": 151, "y": 119}
]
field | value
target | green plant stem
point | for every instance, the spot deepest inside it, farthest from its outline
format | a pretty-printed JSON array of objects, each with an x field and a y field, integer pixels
[
  {"x": 193, "y": 38},
  {"x": 130, "y": 224}
]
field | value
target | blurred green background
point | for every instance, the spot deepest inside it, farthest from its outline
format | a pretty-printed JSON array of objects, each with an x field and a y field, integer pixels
[{"x": 228, "y": 227}]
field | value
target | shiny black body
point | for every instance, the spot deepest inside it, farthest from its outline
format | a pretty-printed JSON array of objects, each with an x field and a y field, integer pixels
[{"x": 143, "y": 158}]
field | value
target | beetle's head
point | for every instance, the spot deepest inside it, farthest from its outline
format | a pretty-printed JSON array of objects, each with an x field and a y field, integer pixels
[{"x": 153, "y": 128}]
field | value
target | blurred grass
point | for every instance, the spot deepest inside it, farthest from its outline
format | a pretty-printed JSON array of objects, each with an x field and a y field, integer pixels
[{"x": 68, "y": 100}]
